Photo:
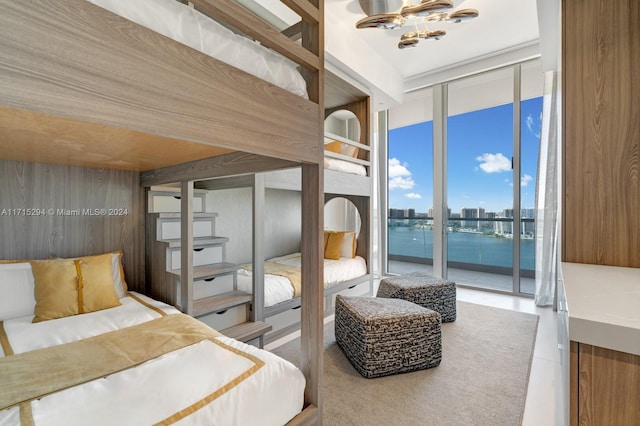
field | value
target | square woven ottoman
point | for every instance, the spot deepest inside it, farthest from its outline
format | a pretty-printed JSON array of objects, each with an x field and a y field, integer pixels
[
  {"x": 425, "y": 290},
  {"x": 387, "y": 336}
]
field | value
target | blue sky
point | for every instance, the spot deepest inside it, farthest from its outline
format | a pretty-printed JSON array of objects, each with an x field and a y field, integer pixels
[{"x": 479, "y": 166}]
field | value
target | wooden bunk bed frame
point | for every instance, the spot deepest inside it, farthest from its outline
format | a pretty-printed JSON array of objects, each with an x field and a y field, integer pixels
[{"x": 81, "y": 86}]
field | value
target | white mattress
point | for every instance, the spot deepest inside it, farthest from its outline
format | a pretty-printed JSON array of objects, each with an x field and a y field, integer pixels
[
  {"x": 278, "y": 288},
  {"x": 188, "y": 26},
  {"x": 162, "y": 386},
  {"x": 344, "y": 166}
]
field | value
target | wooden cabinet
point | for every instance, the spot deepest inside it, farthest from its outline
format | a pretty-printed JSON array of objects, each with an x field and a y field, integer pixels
[{"x": 599, "y": 339}]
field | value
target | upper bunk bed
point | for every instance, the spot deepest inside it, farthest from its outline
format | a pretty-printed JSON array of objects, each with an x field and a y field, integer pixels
[{"x": 83, "y": 86}]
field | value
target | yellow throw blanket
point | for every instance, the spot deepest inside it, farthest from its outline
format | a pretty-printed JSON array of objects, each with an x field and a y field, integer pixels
[
  {"x": 292, "y": 273},
  {"x": 74, "y": 363}
]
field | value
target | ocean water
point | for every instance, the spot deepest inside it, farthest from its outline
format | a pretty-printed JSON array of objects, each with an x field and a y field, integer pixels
[{"x": 462, "y": 247}]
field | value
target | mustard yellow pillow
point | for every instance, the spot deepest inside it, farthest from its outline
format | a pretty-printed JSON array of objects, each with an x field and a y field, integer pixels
[
  {"x": 326, "y": 238},
  {"x": 334, "y": 245},
  {"x": 342, "y": 148},
  {"x": 56, "y": 289},
  {"x": 65, "y": 287},
  {"x": 98, "y": 290}
]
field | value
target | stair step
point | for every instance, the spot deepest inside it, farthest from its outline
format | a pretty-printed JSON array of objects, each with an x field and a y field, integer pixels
[
  {"x": 220, "y": 302},
  {"x": 197, "y": 241},
  {"x": 196, "y": 215},
  {"x": 247, "y": 331},
  {"x": 206, "y": 271}
]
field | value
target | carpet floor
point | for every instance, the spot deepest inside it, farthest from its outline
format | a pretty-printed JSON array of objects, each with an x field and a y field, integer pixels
[{"x": 482, "y": 379}]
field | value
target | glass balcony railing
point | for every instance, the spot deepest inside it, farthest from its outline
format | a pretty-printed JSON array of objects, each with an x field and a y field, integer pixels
[{"x": 484, "y": 244}]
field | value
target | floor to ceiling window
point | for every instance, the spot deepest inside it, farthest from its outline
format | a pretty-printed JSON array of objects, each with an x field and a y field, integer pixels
[{"x": 492, "y": 130}]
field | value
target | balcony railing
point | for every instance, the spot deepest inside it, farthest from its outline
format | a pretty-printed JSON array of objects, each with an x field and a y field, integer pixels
[{"x": 477, "y": 244}]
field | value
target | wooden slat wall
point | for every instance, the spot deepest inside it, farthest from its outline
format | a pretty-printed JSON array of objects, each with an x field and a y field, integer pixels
[
  {"x": 43, "y": 186},
  {"x": 601, "y": 69}
]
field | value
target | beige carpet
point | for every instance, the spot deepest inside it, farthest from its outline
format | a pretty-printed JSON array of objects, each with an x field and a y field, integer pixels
[{"x": 482, "y": 379}]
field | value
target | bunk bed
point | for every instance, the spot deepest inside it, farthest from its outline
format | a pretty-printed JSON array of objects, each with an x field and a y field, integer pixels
[
  {"x": 82, "y": 86},
  {"x": 351, "y": 180}
]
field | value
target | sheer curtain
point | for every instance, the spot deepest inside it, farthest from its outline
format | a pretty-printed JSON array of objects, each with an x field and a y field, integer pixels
[{"x": 547, "y": 195}]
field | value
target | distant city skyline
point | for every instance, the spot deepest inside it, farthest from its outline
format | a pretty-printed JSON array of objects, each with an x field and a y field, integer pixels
[{"x": 480, "y": 147}]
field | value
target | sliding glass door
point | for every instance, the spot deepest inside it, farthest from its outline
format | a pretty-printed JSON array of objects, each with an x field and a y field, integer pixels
[{"x": 473, "y": 154}]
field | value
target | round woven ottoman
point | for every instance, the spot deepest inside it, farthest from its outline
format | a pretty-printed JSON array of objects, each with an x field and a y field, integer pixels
[
  {"x": 387, "y": 336},
  {"x": 425, "y": 290}
]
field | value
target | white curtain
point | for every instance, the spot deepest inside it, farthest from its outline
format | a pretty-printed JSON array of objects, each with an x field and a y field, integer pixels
[{"x": 547, "y": 195}]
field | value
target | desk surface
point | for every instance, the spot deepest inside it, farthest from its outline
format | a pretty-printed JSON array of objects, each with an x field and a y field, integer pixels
[{"x": 603, "y": 305}]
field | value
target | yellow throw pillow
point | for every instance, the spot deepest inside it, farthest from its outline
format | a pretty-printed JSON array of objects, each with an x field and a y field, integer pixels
[
  {"x": 342, "y": 148},
  {"x": 56, "y": 289},
  {"x": 334, "y": 245},
  {"x": 65, "y": 287},
  {"x": 98, "y": 290}
]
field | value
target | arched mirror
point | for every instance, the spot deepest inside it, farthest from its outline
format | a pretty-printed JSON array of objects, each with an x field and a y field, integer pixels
[
  {"x": 341, "y": 214},
  {"x": 343, "y": 123}
]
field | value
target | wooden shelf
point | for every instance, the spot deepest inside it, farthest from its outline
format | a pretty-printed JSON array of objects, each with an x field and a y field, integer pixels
[
  {"x": 220, "y": 302},
  {"x": 247, "y": 331}
]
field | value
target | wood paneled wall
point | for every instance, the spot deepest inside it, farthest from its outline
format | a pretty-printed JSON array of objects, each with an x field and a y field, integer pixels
[
  {"x": 75, "y": 211},
  {"x": 601, "y": 85}
]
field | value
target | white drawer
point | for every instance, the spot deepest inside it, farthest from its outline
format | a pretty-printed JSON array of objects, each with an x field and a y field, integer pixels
[
  {"x": 170, "y": 203},
  {"x": 212, "y": 286},
  {"x": 170, "y": 230},
  {"x": 361, "y": 289},
  {"x": 230, "y": 317},
  {"x": 201, "y": 256}
]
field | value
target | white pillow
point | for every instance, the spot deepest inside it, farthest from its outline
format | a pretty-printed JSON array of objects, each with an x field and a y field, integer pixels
[
  {"x": 16, "y": 290},
  {"x": 17, "y": 287},
  {"x": 348, "y": 247}
]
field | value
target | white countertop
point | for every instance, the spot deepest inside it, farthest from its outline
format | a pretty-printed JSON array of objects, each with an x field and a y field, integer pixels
[{"x": 603, "y": 305}]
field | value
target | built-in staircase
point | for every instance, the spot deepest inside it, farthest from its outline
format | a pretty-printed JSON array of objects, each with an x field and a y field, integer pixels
[{"x": 214, "y": 280}]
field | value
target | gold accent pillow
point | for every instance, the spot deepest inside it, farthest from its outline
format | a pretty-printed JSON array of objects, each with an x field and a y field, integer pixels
[
  {"x": 334, "y": 245},
  {"x": 342, "y": 148},
  {"x": 65, "y": 287}
]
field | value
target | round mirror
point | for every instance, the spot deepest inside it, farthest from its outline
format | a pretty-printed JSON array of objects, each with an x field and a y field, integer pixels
[
  {"x": 343, "y": 123},
  {"x": 341, "y": 214}
]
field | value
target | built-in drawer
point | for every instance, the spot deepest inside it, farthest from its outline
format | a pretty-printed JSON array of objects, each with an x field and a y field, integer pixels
[
  {"x": 170, "y": 202},
  {"x": 212, "y": 286},
  {"x": 202, "y": 227},
  {"x": 230, "y": 317},
  {"x": 201, "y": 256}
]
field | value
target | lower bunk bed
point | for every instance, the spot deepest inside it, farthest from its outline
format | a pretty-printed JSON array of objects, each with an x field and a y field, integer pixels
[{"x": 132, "y": 361}]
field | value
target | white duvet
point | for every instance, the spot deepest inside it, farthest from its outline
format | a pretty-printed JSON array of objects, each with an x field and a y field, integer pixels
[
  {"x": 278, "y": 288},
  {"x": 189, "y": 27},
  {"x": 162, "y": 386}
]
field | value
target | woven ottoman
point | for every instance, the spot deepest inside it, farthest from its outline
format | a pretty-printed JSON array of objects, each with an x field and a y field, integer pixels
[
  {"x": 387, "y": 336},
  {"x": 431, "y": 292}
]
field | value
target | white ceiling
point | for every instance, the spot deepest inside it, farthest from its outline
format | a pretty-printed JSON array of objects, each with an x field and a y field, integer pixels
[
  {"x": 505, "y": 31},
  {"x": 502, "y": 25}
]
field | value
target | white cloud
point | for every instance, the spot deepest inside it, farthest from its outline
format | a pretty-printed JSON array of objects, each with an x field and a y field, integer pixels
[
  {"x": 413, "y": 196},
  {"x": 525, "y": 180},
  {"x": 494, "y": 163},
  {"x": 530, "y": 121},
  {"x": 399, "y": 175}
]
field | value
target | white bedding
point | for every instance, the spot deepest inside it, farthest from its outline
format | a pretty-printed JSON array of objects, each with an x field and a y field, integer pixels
[
  {"x": 278, "y": 288},
  {"x": 189, "y": 27},
  {"x": 162, "y": 386},
  {"x": 344, "y": 166}
]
